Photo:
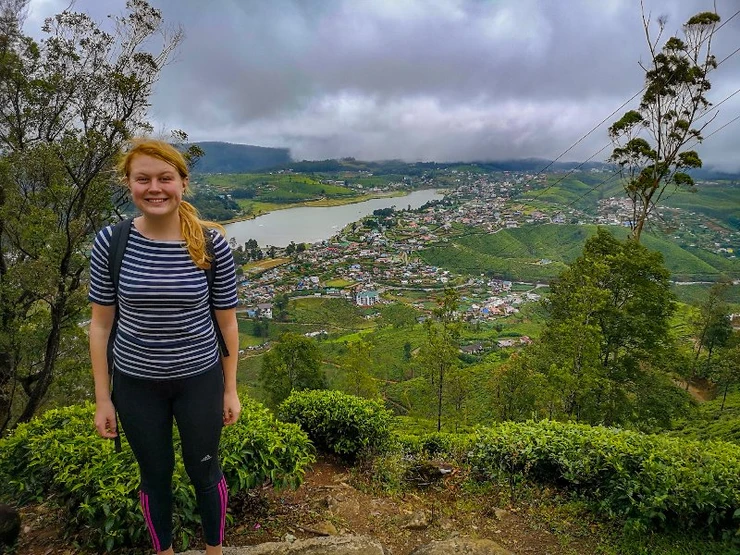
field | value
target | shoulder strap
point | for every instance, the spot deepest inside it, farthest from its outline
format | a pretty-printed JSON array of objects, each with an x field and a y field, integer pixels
[
  {"x": 211, "y": 252},
  {"x": 118, "y": 241},
  {"x": 210, "y": 277}
]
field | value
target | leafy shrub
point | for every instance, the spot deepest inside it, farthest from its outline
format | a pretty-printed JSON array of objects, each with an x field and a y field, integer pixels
[
  {"x": 409, "y": 457},
  {"x": 59, "y": 454},
  {"x": 339, "y": 423},
  {"x": 435, "y": 444},
  {"x": 650, "y": 481},
  {"x": 260, "y": 448}
]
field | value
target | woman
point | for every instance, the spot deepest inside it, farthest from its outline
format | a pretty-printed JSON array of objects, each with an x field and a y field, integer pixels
[{"x": 166, "y": 360}]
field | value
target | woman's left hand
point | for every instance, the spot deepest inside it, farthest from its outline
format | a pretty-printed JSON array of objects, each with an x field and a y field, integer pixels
[{"x": 232, "y": 408}]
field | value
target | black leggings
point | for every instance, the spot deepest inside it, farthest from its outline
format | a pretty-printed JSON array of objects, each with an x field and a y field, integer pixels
[{"x": 146, "y": 409}]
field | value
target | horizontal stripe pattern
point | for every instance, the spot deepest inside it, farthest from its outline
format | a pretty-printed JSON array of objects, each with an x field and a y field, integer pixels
[{"x": 165, "y": 329}]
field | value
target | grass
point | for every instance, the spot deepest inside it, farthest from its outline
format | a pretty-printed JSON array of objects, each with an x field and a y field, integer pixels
[
  {"x": 709, "y": 422},
  {"x": 260, "y": 266},
  {"x": 695, "y": 294},
  {"x": 338, "y": 283},
  {"x": 711, "y": 199},
  {"x": 333, "y": 314}
]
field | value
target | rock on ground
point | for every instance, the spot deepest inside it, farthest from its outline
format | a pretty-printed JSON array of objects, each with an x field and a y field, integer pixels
[
  {"x": 461, "y": 546},
  {"x": 334, "y": 545}
]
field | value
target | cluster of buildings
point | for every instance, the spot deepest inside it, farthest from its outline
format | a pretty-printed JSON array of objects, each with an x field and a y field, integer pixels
[{"x": 364, "y": 263}]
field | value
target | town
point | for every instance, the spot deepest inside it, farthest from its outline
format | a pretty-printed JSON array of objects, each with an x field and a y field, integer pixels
[{"x": 374, "y": 260}]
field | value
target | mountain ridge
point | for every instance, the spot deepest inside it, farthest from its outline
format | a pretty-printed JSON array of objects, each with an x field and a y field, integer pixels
[{"x": 226, "y": 157}]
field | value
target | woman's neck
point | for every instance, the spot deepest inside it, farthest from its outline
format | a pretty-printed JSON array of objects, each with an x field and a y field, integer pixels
[{"x": 159, "y": 229}]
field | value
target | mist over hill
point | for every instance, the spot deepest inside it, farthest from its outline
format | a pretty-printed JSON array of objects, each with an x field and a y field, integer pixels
[{"x": 222, "y": 157}]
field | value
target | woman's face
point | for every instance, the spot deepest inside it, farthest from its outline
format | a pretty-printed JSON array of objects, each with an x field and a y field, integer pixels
[{"x": 156, "y": 186}]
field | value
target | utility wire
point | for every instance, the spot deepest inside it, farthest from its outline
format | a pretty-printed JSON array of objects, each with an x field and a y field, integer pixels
[
  {"x": 573, "y": 170},
  {"x": 614, "y": 174},
  {"x": 728, "y": 57},
  {"x": 618, "y": 171},
  {"x": 529, "y": 182},
  {"x": 733, "y": 120}
]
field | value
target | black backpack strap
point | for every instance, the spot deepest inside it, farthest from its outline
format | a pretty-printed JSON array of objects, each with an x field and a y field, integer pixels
[
  {"x": 210, "y": 277},
  {"x": 118, "y": 242}
]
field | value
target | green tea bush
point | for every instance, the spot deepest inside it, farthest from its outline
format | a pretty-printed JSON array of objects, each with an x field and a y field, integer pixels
[
  {"x": 649, "y": 481},
  {"x": 435, "y": 444},
  {"x": 60, "y": 455},
  {"x": 338, "y": 423}
]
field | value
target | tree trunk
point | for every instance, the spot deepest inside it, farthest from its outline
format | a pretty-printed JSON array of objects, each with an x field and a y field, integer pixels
[
  {"x": 37, "y": 385},
  {"x": 439, "y": 399}
]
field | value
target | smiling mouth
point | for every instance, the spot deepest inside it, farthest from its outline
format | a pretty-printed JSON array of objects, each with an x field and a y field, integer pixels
[{"x": 156, "y": 200}]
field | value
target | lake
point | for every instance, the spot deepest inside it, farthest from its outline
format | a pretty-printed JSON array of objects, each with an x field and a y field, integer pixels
[{"x": 306, "y": 224}]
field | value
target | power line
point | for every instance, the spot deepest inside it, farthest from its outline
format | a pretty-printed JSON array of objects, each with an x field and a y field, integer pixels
[
  {"x": 613, "y": 175},
  {"x": 725, "y": 22},
  {"x": 728, "y": 57},
  {"x": 617, "y": 172},
  {"x": 529, "y": 182},
  {"x": 571, "y": 171},
  {"x": 591, "y": 131},
  {"x": 733, "y": 120},
  {"x": 722, "y": 101}
]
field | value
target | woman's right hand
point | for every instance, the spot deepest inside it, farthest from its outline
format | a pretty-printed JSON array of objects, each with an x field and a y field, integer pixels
[{"x": 105, "y": 419}]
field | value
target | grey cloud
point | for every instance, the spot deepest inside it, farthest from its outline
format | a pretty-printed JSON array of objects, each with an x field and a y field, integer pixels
[{"x": 420, "y": 79}]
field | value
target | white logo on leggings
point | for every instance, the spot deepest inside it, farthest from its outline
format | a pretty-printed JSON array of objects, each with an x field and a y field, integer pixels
[{"x": 206, "y": 458}]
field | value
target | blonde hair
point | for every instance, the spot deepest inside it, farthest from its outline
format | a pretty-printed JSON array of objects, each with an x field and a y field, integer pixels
[{"x": 191, "y": 225}]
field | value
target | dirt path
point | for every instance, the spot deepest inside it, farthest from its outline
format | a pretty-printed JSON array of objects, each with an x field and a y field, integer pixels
[{"x": 332, "y": 501}]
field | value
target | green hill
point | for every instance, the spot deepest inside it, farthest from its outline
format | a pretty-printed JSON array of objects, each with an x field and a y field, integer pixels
[
  {"x": 280, "y": 188},
  {"x": 582, "y": 191},
  {"x": 542, "y": 251},
  {"x": 222, "y": 157},
  {"x": 714, "y": 199}
]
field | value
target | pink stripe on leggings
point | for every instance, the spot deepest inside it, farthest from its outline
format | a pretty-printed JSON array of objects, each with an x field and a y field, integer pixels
[
  {"x": 144, "y": 499},
  {"x": 224, "y": 495}
]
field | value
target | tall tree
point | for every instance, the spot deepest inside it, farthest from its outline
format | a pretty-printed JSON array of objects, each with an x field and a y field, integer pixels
[
  {"x": 653, "y": 143},
  {"x": 439, "y": 352},
  {"x": 726, "y": 372},
  {"x": 712, "y": 326},
  {"x": 293, "y": 363},
  {"x": 515, "y": 389},
  {"x": 357, "y": 365},
  {"x": 608, "y": 322},
  {"x": 67, "y": 104}
]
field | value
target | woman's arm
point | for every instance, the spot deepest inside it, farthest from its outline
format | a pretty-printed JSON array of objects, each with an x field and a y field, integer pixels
[
  {"x": 100, "y": 329},
  {"x": 226, "y": 320}
]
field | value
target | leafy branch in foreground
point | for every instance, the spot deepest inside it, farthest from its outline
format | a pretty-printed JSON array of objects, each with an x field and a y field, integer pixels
[{"x": 67, "y": 104}]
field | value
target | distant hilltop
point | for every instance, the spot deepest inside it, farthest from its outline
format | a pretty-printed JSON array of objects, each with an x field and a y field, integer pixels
[
  {"x": 235, "y": 158},
  {"x": 222, "y": 157}
]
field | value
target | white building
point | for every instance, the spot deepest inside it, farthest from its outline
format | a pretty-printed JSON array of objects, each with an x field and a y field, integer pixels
[{"x": 367, "y": 298}]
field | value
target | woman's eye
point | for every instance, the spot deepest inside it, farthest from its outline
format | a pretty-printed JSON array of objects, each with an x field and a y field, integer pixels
[{"x": 142, "y": 179}]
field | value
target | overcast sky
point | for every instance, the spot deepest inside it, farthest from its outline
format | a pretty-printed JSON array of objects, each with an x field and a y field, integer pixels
[{"x": 424, "y": 80}]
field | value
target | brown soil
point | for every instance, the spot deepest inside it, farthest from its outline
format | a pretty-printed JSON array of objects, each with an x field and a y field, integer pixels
[
  {"x": 700, "y": 389},
  {"x": 337, "y": 499}
]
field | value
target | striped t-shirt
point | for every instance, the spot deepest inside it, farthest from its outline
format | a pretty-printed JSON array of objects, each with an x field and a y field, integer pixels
[{"x": 165, "y": 329}]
